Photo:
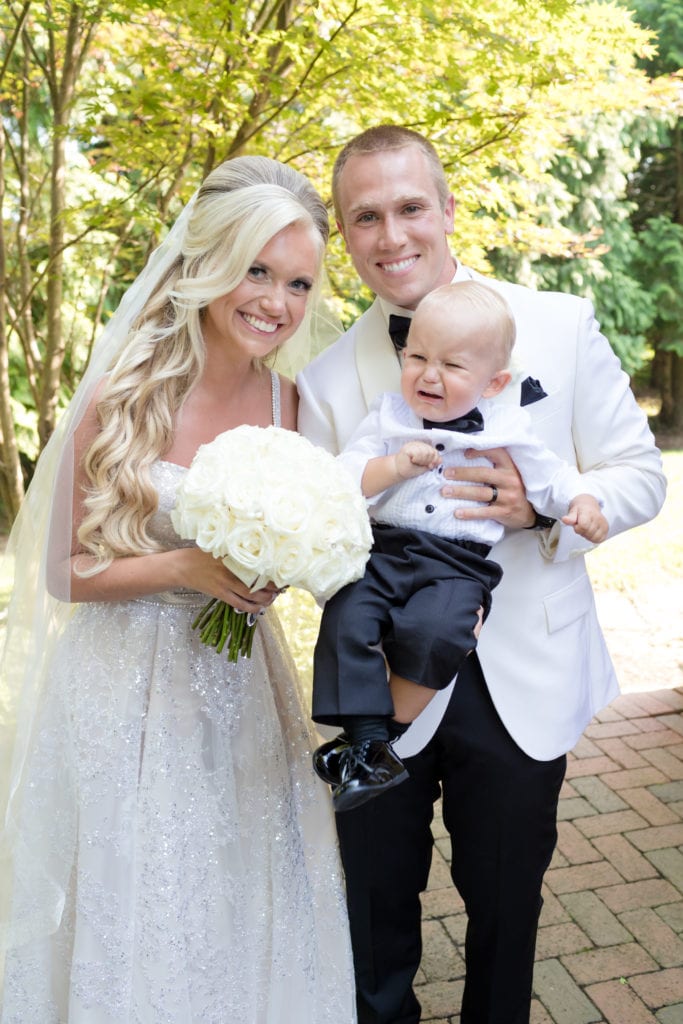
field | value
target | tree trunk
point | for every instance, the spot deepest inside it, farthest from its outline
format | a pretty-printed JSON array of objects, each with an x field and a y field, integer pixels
[
  {"x": 54, "y": 348},
  {"x": 11, "y": 480},
  {"x": 25, "y": 326},
  {"x": 667, "y": 374},
  {"x": 677, "y": 390}
]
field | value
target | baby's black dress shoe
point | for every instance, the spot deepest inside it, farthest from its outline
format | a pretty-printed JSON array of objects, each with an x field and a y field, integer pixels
[
  {"x": 327, "y": 757},
  {"x": 367, "y": 769}
]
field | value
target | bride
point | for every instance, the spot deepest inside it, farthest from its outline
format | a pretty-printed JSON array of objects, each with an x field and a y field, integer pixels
[{"x": 172, "y": 856}]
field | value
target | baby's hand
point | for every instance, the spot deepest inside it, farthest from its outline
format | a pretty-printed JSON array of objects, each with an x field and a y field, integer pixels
[
  {"x": 415, "y": 458},
  {"x": 586, "y": 518}
]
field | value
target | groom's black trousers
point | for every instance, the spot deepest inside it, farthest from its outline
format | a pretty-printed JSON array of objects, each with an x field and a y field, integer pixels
[{"x": 499, "y": 806}]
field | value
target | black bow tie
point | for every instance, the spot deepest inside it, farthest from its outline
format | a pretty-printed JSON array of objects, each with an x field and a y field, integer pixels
[
  {"x": 398, "y": 330},
  {"x": 471, "y": 423}
]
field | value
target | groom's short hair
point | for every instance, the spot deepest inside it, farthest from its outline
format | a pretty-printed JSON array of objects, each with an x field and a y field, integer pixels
[{"x": 383, "y": 138}]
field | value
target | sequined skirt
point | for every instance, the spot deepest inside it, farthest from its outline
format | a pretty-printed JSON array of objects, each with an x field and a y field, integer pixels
[{"x": 175, "y": 857}]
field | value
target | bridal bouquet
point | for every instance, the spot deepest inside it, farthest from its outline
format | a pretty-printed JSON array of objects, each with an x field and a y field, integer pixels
[{"x": 273, "y": 507}]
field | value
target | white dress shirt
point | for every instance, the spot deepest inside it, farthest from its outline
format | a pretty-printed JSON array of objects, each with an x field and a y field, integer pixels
[{"x": 417, "y": 502}]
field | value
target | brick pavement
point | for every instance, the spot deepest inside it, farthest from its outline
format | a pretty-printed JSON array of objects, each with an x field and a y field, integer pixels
[{"x": 610, "y": 941}]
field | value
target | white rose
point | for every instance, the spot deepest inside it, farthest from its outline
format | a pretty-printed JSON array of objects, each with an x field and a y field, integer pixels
[
  {"x": 214, "y": 530},
  {"x": 242, "y": 491},
  {"x": 249, "y": 553},
  {"x": 291, "y": 563},
  {"x": 288, "y": 511},
  {"x": 343, "y": 523},
  {"x": 203, "y": 477},
  {"x": 327, "y": 574},
  {"x": 331, "y": 527}
]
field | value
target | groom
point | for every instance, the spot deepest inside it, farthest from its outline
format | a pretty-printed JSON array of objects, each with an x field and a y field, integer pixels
[{"x": 541, "y": 670}]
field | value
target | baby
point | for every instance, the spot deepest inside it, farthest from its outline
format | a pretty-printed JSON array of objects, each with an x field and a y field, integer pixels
[{"x": 427, "y": 585}]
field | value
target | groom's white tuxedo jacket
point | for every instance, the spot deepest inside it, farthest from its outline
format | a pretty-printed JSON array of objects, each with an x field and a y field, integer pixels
[{"x": 542, "y": 651}]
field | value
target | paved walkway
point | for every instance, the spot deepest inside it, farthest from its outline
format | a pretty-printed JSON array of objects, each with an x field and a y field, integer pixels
[{"x": 610, "y": 943}]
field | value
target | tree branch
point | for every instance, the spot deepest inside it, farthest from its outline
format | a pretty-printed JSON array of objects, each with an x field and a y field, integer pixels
[{"x": 12, "y": 42}]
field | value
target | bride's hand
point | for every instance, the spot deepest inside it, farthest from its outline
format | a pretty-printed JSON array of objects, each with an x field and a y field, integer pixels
[{"x": 201, "y": 571}]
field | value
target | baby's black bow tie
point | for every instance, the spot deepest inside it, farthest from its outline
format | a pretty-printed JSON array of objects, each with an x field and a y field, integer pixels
[{"x": 471, "y": 423}]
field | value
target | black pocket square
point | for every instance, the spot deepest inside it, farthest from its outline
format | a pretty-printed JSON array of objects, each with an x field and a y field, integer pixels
[{"x": 532, "y": 391}]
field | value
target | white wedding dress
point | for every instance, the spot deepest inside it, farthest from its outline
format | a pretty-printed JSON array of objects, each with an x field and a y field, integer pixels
[{"x": 177, "y": 858}]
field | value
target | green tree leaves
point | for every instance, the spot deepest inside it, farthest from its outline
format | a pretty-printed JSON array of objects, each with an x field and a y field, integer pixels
[{"x": 113, "y": 112}]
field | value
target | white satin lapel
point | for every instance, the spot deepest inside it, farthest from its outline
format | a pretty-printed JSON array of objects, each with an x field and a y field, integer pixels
[{"x": 378, "y": 368}]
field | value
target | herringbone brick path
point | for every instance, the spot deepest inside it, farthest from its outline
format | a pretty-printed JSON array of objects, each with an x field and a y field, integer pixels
[{"x": 610, "y": 942}]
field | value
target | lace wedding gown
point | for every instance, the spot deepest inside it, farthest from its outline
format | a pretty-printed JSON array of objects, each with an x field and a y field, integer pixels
[{"x": 177, "y": 860}]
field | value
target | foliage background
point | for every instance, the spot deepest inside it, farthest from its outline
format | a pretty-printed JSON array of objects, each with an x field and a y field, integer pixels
[{"x": 558, "y": 122}]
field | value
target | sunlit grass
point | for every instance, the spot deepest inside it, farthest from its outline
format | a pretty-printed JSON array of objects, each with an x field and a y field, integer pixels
[{"x": 651, "y": 553}]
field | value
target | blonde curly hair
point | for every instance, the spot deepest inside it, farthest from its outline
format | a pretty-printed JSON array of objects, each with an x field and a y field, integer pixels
[{"x": 238, "y": 209}]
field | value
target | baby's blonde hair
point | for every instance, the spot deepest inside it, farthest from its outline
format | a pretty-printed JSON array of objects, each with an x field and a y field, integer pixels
[
  {"x": 498, "y": 330},
  {"x": 238, "y": 209}
]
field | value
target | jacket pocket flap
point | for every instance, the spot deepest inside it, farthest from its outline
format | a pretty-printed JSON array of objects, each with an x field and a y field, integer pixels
[{"x": 568, "y": 604}]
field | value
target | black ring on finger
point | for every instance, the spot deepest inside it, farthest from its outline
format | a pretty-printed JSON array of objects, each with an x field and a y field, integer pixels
[{"x": 494, "y": 496}]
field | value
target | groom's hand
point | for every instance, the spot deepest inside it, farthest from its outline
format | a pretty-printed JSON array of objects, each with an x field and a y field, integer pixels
[{"x": 500, "y": 481}]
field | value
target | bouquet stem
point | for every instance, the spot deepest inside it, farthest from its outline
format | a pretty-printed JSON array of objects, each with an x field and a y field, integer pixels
[{"x": 220, "y": 624}]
